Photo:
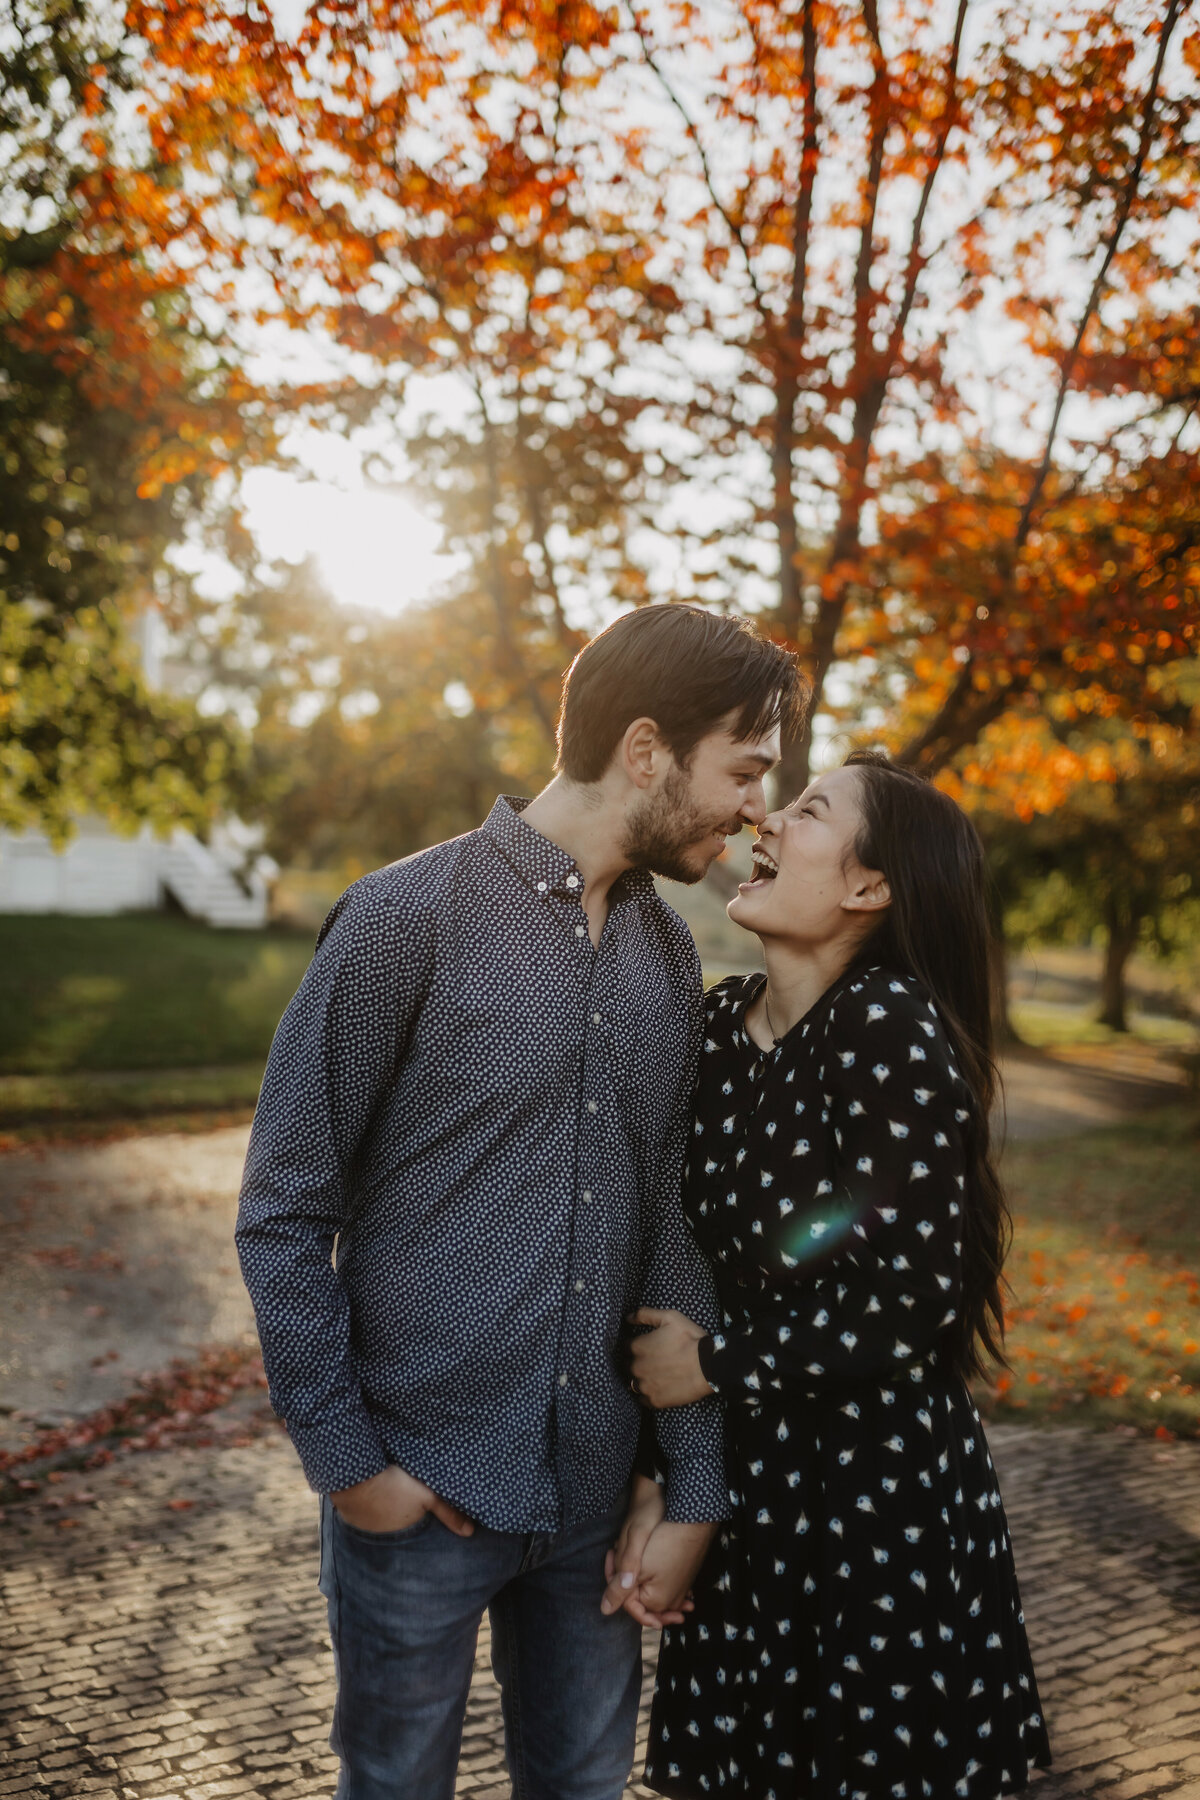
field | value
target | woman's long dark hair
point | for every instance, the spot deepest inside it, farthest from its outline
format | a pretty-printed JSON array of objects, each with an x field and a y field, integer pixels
[{"x": 937, "y": 929}]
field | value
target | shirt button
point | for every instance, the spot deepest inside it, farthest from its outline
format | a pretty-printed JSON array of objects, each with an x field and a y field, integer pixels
[
  {"x": 579, "y": 1287},
  {"x": 595, "y": 1018},
  {"x": 562, "y": 1381},
  {"x": 541, "y": 887},
  {"x": 592, "y": 1107},
  {"x": 579, "y": 930},
  {"x": 572, "y": 881},
  {"x": 587, "y": 1196}
]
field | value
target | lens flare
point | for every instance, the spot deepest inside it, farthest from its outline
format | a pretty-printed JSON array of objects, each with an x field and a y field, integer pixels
[{"x": 819, "y": 1233}]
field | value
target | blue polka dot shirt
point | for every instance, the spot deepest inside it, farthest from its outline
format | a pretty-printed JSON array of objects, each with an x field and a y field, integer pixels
[{"x": 464, "y": 1172}]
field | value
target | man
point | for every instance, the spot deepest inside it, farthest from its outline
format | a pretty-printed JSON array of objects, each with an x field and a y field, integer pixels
[{"x": 479, "y": 1095}]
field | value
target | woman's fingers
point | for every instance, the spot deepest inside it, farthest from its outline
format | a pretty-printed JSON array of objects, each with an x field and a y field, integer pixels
[{"x": 649, "y": 1315}]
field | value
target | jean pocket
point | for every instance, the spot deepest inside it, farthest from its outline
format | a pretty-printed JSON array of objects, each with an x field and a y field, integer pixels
[{"x": 345, "y": 1529}]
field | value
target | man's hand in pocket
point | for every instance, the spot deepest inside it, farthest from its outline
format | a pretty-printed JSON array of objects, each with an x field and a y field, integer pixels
[{"x": 393, "y": 1501}]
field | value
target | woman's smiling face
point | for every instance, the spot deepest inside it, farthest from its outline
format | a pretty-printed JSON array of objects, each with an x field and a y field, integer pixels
[{"x": 809, "y": 884}]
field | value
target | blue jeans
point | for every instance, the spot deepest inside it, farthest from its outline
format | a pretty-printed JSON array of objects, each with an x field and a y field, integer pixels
[{"x": 404, "y": 1614}]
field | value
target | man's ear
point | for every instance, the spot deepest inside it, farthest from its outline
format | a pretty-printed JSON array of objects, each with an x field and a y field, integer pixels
[
  {"x": 869, "y": 894},
  {"x": 641, "y": 751}
]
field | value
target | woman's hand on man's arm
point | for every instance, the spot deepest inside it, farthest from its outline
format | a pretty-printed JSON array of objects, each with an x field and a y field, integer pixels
[{"x": 665, "y": 1361}]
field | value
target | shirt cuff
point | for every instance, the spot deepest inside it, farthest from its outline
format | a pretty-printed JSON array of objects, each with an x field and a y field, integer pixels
[
  {"x": 697, "y": 1487},
  {"x": 339, "y": 1452}
]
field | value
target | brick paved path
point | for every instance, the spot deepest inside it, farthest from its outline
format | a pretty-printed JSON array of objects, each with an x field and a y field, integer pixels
[{"x": 153, "y": 1651}]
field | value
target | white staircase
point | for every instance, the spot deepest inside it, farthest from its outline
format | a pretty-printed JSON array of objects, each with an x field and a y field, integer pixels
[{"x": 211, "y": 886}]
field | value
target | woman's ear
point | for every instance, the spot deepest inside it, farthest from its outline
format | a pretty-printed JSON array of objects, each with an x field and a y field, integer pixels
[{"x": 869, "y": 894}]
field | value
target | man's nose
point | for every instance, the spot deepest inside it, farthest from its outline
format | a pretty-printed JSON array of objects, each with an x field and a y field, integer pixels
[{"x": 754, "y": 806}]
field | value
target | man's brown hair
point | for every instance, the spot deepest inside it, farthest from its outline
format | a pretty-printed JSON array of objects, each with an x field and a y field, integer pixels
[{"x": 683, "y": 667}]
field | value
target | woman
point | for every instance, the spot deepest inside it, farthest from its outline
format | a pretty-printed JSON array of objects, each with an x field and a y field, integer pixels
[{"x": 857, "y": 1632}]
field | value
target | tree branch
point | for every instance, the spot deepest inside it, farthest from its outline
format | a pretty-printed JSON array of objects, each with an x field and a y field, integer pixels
[
  {"x": 496, "y": 581},
  {"x": 788, "y": 388},
  {"x": 722, "y": 210},
  {"x": 874, "y": 375},
  {"x": 955, "y": 716},
  {"x": 1128, "y": 196},
  {"x": 915, "y": 260}
]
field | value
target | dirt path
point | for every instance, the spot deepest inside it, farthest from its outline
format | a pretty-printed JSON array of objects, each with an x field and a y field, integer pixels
[
  {"x": 1053, "y": 1094},
  {"x": 116, "y": 1258}
]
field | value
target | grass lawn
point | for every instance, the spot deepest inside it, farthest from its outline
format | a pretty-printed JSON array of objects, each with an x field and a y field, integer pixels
[
  {"x": 1048, "y": 1025},
  {"x": 1104, "y": 1319},
  {"x": 122, "y": 1102},
  {"x": 144, "y": 991}
]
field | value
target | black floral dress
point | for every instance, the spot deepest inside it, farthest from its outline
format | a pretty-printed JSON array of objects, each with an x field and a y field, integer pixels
[{"x": 858, "y": 1632}]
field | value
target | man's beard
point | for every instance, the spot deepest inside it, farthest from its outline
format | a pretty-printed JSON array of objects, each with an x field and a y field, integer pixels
[{"x": 666, "y": 826}]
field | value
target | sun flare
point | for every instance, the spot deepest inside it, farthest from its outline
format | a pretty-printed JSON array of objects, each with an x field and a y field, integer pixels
[{"x": 373, "y": 546}]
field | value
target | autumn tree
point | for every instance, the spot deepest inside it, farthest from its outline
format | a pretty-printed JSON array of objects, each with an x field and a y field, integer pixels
[
  {"x": 427, "y": 203},
  {"x": 878, "y": 322},
  {"x": 878, "y": 190}
]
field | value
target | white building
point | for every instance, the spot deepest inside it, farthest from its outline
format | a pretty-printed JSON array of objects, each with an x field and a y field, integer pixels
[{"x": 225, "y": 883}]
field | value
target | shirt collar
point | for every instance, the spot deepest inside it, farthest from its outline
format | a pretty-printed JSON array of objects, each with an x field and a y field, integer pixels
[{"x": 544, "y": 865}]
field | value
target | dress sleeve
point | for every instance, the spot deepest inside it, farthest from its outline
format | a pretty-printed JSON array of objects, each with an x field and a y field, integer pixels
[
  {"x": 333, "y": 1056},
  {"x": 897, "y": 1111}
]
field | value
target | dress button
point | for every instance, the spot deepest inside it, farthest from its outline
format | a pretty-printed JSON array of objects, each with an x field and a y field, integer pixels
[
  {"x": 587, "y": 1196},
  {"x": 541, "y": 887},
  {"x": 572, "y": 881},
  {"x": 595, "y": 1018},
  {"x": 579, "y": 1287},
  {"x": 579, "y": 930},
  {"x": 562, "y": 1381},
  {"x": 592, "y": 1107}
]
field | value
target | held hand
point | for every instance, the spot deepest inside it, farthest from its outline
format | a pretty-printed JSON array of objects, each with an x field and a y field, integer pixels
[
  {"x": 670, "y": 1563},
  {"x": 623, "y": 1564},
  {"x": 665, "y": 1361},
  {"x": 393, "y": 1500}
]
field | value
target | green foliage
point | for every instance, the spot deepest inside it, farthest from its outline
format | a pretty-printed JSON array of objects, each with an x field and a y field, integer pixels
[
  {"x": 140, "y": 991},
  {"x": 109, "y": 401},
  {"x": 81, "y": 733}
]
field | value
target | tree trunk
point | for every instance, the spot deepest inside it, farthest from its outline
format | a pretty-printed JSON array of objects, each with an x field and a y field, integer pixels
[
  {"x": 1004, "y": 1032},
  {"x": 1121, "y": 929},
  {"x": 792, "y": 775}
]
